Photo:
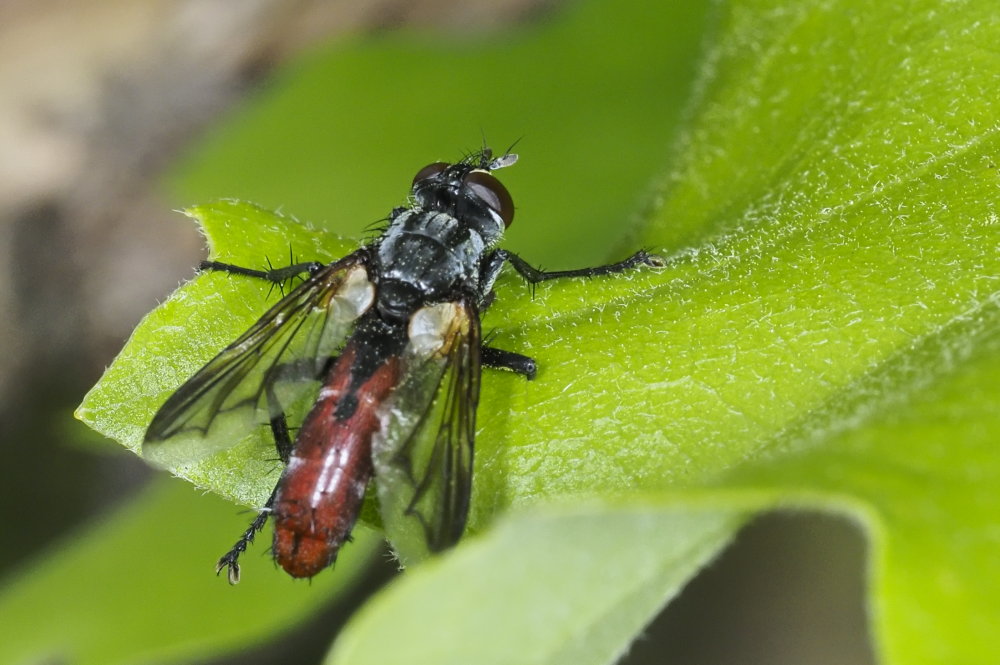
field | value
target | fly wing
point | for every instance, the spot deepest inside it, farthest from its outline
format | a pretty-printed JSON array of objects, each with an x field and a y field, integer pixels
[
  {"x": 269, "y": 368},
  {"x": 423, "y": 452}
]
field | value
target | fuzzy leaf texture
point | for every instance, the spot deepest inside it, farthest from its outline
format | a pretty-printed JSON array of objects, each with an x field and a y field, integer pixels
[{"x": 826, "y": 336}]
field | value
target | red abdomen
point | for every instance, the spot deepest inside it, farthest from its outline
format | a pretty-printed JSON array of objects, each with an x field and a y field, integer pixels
[{"x": 320, "y": 492}]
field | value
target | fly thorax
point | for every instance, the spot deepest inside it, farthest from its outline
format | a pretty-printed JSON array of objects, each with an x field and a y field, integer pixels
[
  {"x": 397, "y": 298},
  {"x": 424, "y": 257},
  {"x": 433, "y": 328}
]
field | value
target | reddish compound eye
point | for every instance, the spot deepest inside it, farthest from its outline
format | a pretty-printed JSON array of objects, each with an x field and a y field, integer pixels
[
  {"x": 430, "y": 171},
  {"x": 492, "y": 192}
]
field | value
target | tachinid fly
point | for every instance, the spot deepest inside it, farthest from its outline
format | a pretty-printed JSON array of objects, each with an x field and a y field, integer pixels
[{"x": 391, "y": 335}]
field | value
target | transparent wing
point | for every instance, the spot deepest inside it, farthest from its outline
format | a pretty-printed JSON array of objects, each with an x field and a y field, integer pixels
[
  {"x": 423, "y": 453},
  {"x": 269, "y": 368}
]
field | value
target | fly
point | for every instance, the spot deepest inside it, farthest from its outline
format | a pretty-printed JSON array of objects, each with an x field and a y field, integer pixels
[{"x": 391, "y": 333}]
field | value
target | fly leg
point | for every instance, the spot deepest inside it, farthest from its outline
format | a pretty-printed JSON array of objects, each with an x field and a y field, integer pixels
[
  {"x": 515, "y": 362},
  {"x": 274, "y": 275},
  {"x": 279, "y": 430},
  {"x": 501, "y": 359},
  {"x": 230, "y": 559},
  {"x": 283, "y": 443},
  {"x": 533, "y": 275},
  {"x": 277, "y": 276}
]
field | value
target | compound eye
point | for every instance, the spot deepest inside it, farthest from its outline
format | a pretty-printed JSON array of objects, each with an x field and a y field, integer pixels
[
  {"x": 490, "y": 190},
  {"x": 430, "y": 171}
]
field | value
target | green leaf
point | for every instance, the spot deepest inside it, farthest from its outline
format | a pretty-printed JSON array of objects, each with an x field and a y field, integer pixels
[
  {"x": 137, "y": 586},
  {"x": 594, "y": 590},
  {"x": 825, "y": 336}
]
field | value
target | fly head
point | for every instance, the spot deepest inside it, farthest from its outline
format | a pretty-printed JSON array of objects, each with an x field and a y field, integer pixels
[{"x": 469, "y": 192}]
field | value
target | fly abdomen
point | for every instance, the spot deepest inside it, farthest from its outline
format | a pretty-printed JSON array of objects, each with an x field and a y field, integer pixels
[{"x": 320, "y": 492}]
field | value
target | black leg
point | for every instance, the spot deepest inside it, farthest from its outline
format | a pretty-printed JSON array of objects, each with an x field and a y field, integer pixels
[
  {"x": 515, "y": 362},
  {"x": 283, "y": 443},
  {"x": 275, "y": 275},
  {"x": 282, "y": 439},
  {"x": 533, "y": 275},
  {"x": 279, "y": 425},
  {"x": 494, "y": 262},
  {"x": 230, "y": 559}
]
